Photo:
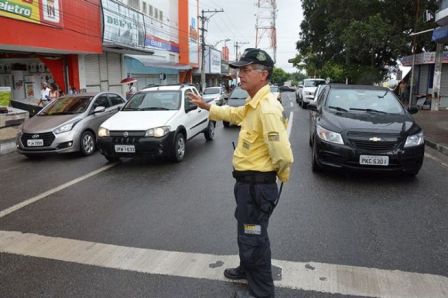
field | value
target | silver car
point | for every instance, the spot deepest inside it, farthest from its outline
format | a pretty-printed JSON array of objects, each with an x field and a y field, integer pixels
[{"x": 68, "y": 124}]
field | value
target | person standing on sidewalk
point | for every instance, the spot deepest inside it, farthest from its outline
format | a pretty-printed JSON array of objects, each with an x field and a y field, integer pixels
[
  {"x": 263, "y": 153},
  {"x": 44, "y": 94}
]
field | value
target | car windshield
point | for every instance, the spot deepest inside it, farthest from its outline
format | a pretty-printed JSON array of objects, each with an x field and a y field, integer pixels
[
  {"x": 359, "y": 100},
  {"x": 67, "y": 105},
  {"x": 154, "y": 100},
  {"x": 313, "y": 83},
  {"x": 274, "y": 89},
  {"x": 213, "y": 90}
]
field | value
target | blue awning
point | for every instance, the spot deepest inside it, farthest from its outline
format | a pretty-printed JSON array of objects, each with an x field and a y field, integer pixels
[{"x": 440, "y": 34}]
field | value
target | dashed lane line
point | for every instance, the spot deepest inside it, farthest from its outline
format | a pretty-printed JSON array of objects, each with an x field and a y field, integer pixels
[
  {"x": 52, "y": 191},
  {"x": 311, "y": 276}
]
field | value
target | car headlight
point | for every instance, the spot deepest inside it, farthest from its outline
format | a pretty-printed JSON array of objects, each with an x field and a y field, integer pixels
[
  {"x": 157, "y": 132},
  {"x": 64, "y": 128},
  {"x": 329, "y": 136},
  {"x": 103, "y": 132},
  {"x": 414, "y": 140}
]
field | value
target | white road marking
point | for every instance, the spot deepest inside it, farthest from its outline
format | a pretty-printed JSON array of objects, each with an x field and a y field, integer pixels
[
  {"x": 312, "y": 276},
  {"x": 291, "y": 104},
  {"x": 291, "y": 115},
  {"x": 436, "y": 159},
  {"x": 52, "y": 191}
]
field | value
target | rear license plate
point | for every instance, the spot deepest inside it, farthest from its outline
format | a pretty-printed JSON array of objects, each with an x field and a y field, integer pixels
[
  {"x": 35, "y": 142},
  {"x": 374, "y": 160},
  {"x": 125, "y": 148}
]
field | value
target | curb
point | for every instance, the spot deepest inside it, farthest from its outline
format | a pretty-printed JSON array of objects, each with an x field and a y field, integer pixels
[
  {"x": 7, "y": 146},
  {"x": 439, "y": 147}
]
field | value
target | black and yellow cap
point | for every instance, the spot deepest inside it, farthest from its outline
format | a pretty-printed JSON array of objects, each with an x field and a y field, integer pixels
[{"x": 253, "y": 56}]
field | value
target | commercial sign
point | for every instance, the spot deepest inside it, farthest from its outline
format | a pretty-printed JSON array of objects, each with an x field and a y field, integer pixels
[
  {"x": 193, "y": 39},
  {"x": 423, "y": 58},
  {"x": 35, "y": 11},
  {"x": 122, "y": 25},
  {"x": 157, "y": 37},
  {"x": 212, "y": 61}
]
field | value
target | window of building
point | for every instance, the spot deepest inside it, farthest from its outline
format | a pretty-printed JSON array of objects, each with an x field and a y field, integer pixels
[
  {"x": 151, "y": 10},
  {"x": 144, "y": 7},
  {"x": 161, "y": 16},
  {"x": 156, "y": 13},
  {"x": 134, "y": 4}
]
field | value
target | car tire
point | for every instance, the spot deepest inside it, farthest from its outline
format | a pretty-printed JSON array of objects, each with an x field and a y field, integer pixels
[
  {"x": 226, "y": 124},
  {"x": 209, "y": 132},
  {"x": 87, "y": 143},
  {"x": 310, "y": 141},
  {"x": 112, "y": 158},
  {"x": 178, "y": 149},
  {"x": 315, "y": 167}
]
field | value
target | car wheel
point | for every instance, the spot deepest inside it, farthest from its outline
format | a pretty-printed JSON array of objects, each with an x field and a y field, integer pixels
[
  {"x": 112, "y": 158},
  {"x": 209, "y": 132},
  {"x": 87, "y": 143},
  {"x": 315, "y": 167},
  {"x": 226, "y": 124},
  {"x": 178, "y": 150},
  {"x": 310, "y": 141}
]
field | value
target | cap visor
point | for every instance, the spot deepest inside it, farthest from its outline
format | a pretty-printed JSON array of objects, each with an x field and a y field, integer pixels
[{"x": 238, "y": 64}]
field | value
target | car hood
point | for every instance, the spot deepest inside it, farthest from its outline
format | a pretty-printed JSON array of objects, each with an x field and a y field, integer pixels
[
  {"x": 138, "y": 120},
  {"x": 362, "y": 121},
  {"x": 210, "y": 96},
  {"x": 38, "y": 123}
]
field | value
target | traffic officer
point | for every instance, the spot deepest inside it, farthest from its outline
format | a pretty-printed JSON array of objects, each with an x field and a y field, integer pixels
[{"x": 263, "y": 153}]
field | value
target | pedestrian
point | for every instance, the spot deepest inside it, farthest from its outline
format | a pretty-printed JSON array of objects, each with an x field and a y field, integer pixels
[
  {"x": 44, "y": 94},
  {"x": 262, "y": 154},
  {"x": 54, "y": 92},
  {"x": 132, "y": 90},
  {"x": 403, "y": 89}
]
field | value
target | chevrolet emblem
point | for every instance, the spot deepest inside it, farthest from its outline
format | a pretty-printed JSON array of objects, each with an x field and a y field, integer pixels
[
  {"x": 375, "y": 139},
  {"x": 125, "y": 134}
]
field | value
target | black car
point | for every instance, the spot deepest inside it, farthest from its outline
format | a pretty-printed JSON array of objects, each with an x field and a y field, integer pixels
[{"x": 364, "y": 128}]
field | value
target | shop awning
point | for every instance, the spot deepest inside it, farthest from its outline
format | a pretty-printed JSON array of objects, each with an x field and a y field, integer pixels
[
  {"x": 125, "y": 49},
  {"x": 152, "y": 61}
]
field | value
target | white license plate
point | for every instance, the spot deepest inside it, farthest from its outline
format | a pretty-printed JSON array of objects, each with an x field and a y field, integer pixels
[
  {"x": 374, "y": 160},
  {"x": 125, "y": 148},
  {"x": 35, "y": 142}
]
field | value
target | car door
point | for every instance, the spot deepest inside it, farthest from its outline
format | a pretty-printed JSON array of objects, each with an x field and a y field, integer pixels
[
  {"x": 95, "y": 119},
  {"x": 196, "y": 118}
]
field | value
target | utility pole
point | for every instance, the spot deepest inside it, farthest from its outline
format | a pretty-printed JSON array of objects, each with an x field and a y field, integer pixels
[
  {"x": 203, "y": 20},
  {"x": 237, "y": 46}
]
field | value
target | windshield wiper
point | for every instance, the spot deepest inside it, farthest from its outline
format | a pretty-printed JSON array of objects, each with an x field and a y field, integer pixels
[
  {"x": 338, "y": 109},
  {"x": 130, "y": 109},
  {"x": 368, "y": 110},
  {"x": 387, "y": 91},
  {"x": 61, "y": 113},
  {"x": 155, "y": 109}
]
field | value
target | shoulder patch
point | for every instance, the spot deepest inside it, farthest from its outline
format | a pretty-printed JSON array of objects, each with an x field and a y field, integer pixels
[{"x": 273, "y": 136}]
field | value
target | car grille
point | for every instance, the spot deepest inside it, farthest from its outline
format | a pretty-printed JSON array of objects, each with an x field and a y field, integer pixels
[
  {"x": 126, "y": 137},
  {"x": 48, "y": 138},
  {"x": 363, "y": 141}
]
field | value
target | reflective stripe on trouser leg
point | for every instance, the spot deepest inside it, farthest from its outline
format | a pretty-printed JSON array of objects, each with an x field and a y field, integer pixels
[{"x": 254, "y": 205}]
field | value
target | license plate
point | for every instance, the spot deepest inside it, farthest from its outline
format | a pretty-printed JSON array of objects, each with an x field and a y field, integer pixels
[
  {"x": 125, "y": 148},
  {"x": 35, "y": 142},
  {"x": 374, "y": 160}
]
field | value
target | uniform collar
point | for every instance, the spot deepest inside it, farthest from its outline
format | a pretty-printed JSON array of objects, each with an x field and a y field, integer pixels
[{"x": 253, "y": 102}]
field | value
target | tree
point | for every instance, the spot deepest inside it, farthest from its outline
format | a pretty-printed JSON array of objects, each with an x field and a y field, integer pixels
[
  {"x": 359, "y": 39},
  {"x": 279, "y": 76}
]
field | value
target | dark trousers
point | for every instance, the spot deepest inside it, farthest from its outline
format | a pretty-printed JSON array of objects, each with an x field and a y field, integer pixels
[{"x": 254, "y": 205}]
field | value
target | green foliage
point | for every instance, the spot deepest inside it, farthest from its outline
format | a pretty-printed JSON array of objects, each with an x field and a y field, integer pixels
[
  {"x": 279, "y": 76},
  {"x": 359, "y": 39}
]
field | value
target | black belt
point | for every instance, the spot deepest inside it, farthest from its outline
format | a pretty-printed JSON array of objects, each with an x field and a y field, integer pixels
[{"x": 255, "y": 177}]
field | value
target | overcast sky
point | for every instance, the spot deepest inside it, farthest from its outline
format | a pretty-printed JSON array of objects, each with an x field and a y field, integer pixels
[{"x": 238, "y": 21}]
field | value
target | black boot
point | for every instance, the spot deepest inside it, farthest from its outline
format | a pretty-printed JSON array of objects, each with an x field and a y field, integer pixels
[{"x": 235, "y": 273}]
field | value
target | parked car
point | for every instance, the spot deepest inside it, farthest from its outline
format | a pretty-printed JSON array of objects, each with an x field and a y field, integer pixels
[
  {"x": 317, "y": 93},
  {"x": 67, "y": 124},
  {"x": 236, "y": 98},
  {"x": 276, "y": 92},
  {"x": 216, "y": 95},
  {"x": 305, "y": 91},
  {"x": 156, "y": 121},
  {"x": 364, "y": 128},
  {"x": 287, "y": 89}
]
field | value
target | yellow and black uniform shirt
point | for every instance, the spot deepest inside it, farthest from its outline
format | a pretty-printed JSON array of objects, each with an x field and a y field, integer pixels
[{"x": 263, "y": 143}]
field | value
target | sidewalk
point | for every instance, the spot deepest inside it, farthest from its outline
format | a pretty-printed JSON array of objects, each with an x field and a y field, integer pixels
[{"x": 434, "y": 124}]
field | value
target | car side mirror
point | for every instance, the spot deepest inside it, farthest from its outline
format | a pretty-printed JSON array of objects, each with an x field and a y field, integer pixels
[
  {"x": 191, "y": 108},
  {"x": 413, "y": 110},
  {"x": 99, "y": 109}
]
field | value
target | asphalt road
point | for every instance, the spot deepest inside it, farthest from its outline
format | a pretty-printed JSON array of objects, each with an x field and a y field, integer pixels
[{"x": 373, "y": 221}]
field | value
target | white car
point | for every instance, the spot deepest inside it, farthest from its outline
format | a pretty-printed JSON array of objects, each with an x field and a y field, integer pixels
[
  {"x": 214, "y": 95},
  {"x": 276, "y": 92},
  {"x": 305, "y": 92},
  {"x": 156, "y": 121}
]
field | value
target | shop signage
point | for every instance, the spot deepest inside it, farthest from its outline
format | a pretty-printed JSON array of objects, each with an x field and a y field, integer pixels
[
  {"x": 34, "y": 11},
  {"x": 423, "y": 58},
  {"x": 161, "y": 38},
  {"x": 122, "y": 25},
  {"x": 193, "y": 40},
  {"x": 212, "y": 60}
]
